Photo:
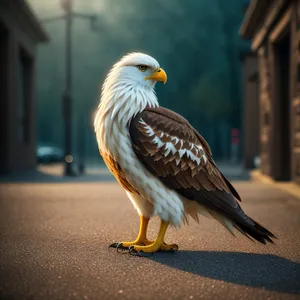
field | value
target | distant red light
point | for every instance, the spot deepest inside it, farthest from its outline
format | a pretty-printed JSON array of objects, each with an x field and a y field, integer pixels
[{"x": 235, "y": 132}]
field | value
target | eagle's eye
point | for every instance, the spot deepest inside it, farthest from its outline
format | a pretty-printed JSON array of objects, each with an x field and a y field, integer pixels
[{"x": 142, "y": 68}]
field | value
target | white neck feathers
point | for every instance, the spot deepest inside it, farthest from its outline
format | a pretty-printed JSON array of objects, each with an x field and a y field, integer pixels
[{"x": 120, "y": 102}]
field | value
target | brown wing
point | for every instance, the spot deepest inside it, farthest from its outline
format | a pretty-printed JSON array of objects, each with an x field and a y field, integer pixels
[
  {"x": 172, "y": 150},
  {"x": 175, "y": 152}
]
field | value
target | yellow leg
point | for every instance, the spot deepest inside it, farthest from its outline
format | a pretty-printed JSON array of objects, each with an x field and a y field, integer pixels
[
  {"x": 141, "y": 238},
  {"x": 158, "y": 244}
]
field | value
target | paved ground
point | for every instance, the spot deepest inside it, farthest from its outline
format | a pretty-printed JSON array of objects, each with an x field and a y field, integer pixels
[{"x": 54, "y": 239}]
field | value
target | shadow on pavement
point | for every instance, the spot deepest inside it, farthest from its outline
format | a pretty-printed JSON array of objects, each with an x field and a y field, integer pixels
[{"x": 267, "y": 271}]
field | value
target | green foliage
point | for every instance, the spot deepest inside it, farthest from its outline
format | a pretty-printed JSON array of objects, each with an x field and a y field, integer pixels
[{"x": 210, "y": 94}]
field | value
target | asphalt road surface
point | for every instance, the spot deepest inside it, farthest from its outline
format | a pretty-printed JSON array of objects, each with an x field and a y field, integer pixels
[{"x": 55, "y": 237}]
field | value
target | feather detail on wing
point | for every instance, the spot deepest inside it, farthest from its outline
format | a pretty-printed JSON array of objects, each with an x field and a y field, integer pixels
[
  {"x": 171, "y": 149},
  {"x": 175, "y": 152}
]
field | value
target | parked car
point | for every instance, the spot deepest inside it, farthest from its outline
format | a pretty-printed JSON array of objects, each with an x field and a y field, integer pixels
[{"x": 49, "y": 154}]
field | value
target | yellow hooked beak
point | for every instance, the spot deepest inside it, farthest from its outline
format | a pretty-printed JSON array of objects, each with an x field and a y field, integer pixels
[{"x": 158, "y": 75}]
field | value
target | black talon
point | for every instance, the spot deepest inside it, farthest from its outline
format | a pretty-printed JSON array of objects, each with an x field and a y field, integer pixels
[
  {"x": 132, "y": 251},
  {"x": 139, "y": 253},
  {"x": 118, "y": 246},
  {"x": 172, "y": 250},
  {"x": 121, "y": 247},
  {"x": 114, "y": 245}
]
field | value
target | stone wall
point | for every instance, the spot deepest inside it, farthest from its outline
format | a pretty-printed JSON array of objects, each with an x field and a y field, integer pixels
[
  {"x": 295, "y": 90},
  {"x": 265, "y": 108},
  {"x": 20, "y": 34}
]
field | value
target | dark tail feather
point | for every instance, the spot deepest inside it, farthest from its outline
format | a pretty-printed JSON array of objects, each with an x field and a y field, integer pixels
[
  {"x": 253, "y": 229},
  {"x": 232, "y": 189}
]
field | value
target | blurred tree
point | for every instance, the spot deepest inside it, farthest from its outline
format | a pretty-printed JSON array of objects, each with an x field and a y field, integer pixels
[
  {"x": 196, "y": 42},
  {"x": 210, "y": 95}
]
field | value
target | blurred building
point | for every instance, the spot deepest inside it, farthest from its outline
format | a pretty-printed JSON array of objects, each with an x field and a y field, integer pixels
[
  {"x": 251, "y": 109},
  {"x": 273, "y": 27},
  {"x": 20, "y": 33}
]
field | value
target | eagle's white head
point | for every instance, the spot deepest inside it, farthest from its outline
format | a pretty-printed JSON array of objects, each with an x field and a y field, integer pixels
[
  {"x": 129, "y": 88},
  {"x": 137, "y": 70}
]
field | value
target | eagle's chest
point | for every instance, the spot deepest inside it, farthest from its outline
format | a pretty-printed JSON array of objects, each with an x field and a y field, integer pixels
[
  {"x": 115, "y": 148},
  {"x": 118, "y": 173}
]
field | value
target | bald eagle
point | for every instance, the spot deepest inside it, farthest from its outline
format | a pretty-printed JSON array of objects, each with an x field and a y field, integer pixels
[{"x": 162, "y": 162}]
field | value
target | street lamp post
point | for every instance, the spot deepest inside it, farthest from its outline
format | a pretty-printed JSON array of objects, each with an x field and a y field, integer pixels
[
  {"x": 67, "y": 6},
  {"x": 67, "y": 96}
]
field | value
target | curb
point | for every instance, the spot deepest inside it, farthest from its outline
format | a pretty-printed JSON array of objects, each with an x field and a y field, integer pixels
[{"x": 288, "y": 187}]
